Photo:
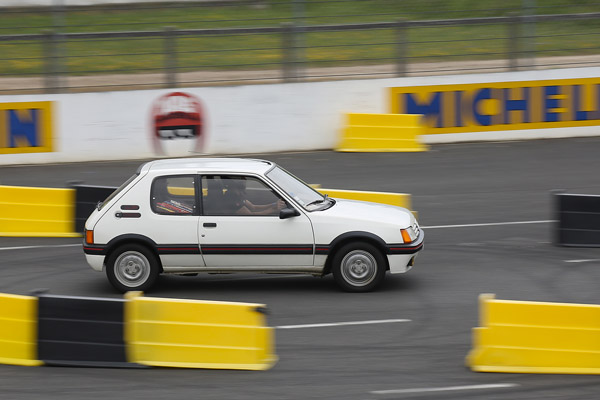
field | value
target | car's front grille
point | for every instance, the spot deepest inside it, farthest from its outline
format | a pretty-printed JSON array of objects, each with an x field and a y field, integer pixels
[{"x": 416, "y": 229}]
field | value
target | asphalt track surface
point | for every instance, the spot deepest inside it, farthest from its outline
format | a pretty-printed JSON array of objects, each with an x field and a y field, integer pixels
[{"x": 464, "y": 194}]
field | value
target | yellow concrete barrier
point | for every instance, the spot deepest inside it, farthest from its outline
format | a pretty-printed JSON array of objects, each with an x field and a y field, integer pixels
[
  {"x": 18, "y": 330},
  {"x": 536, "y": 337},
  {"x": 382, "y": 133},
  {"x": 197, "y": 334},
  {"x": 37, "y": 212},
  {"x": 394, "y": 199}
]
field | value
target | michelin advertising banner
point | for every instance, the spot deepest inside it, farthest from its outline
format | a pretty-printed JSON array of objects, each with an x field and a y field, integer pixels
[
  {"x": 280, "y": 117},
  {"x": 501, "y": 106},
  {"x": 26, "y": 127}
]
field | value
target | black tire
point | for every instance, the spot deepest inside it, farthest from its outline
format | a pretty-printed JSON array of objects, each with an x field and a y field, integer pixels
[
  {"x": 132, "y": 267},
  {"x": 358, "y": 267}
]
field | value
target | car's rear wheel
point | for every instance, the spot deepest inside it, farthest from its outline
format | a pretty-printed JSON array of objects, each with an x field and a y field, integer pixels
[
  {"x": 132, "y": 267},
  {"x": 358, "y": 267}
]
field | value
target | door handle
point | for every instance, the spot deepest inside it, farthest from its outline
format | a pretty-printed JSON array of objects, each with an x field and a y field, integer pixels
[{"x": 209, "y": 224}]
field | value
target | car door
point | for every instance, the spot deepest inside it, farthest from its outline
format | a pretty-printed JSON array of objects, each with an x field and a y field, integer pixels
[
  {"x": 173, "y": 223},
  {"x": 249, "y": 232}
]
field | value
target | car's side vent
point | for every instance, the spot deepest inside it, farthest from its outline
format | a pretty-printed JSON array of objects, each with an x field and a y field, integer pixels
[{"x": 130, "y": 207}]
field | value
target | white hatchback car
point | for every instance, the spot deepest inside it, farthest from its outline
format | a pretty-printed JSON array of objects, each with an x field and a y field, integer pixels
[{"x": 223, "y": 215}]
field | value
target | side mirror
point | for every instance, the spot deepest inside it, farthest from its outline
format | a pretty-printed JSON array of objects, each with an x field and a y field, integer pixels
[{"x": 288, "y": 213}]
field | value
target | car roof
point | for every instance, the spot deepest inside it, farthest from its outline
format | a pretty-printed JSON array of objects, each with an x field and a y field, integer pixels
[{"x": 208, "y": 165}]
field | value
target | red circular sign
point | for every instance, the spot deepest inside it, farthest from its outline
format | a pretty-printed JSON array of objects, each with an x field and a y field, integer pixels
[{"x": 176, "y": 116}]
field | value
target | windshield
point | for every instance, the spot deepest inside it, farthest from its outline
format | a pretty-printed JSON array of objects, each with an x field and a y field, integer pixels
[
  {"x": 116, "y": 192},
  {"x": 303, "y": 194}
]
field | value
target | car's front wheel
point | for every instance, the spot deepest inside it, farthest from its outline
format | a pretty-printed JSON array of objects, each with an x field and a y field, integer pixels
[
  {"x": 132, "y": 267},
  {"x": 358, "y": 267}
]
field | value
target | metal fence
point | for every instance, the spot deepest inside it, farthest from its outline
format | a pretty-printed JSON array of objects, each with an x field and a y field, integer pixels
[{"x": 68, "y": 58}]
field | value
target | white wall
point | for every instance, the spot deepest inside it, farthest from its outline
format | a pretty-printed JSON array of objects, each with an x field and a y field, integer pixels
[{"x": 249, "y": 119}]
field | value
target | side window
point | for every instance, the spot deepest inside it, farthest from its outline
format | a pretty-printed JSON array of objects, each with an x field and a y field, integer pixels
[
  {"x": 238, "y": 195},
  {"x": 174, "y": 195}
]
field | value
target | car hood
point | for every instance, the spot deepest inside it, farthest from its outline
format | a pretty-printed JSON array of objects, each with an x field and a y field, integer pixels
[{"x": 371, "y": 212}]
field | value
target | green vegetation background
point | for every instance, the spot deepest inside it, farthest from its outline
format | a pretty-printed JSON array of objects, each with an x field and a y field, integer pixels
[{"x": 79, "y": 56}]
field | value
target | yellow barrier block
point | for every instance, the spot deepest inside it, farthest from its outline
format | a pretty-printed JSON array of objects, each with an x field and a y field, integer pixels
[
  {"x": 18, "y": 330},
  {"x": 382, "y": 133},
  {"x": 383, "y": 119},
  {"x": 181, "y": 191},
  {"x": 379, "y": 145},
  {"x": 394, "y": 199},
  {"x": 499, "y": 312},
  {"x": 197, "y": 334},
  {"x": 536, "y": 337},
  {"x": 35, "y": 212},
  {"x": 409, "y": 134}
]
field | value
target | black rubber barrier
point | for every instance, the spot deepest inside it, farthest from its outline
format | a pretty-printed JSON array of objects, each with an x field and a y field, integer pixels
[
  {"x": 81, "y": 331},
  {"x": 86, "y": 199},
  {"x": 578, "y": 220}
]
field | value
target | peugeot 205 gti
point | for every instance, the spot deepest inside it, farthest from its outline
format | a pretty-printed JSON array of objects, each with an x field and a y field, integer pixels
[{"x": 224, "y": 215}]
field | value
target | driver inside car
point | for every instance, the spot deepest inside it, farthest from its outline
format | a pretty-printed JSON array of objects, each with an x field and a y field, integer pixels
[{"x": 236, "y": 201}]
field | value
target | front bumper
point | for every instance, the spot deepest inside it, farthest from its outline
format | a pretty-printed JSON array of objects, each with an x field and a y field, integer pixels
[
  {"x": 401, "y": 257},
  {"x": 95, "y": 261}
]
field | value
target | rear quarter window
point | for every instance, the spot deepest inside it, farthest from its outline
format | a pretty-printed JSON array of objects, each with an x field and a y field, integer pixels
[{"x": 174, "y": 195}]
